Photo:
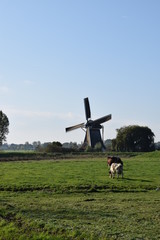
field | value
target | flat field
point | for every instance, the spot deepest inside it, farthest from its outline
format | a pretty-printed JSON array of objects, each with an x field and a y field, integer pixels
[{"x": 76, "y": 199}]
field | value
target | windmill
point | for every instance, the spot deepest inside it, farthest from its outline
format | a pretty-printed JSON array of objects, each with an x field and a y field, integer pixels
[{"x": 91, "y": 127}]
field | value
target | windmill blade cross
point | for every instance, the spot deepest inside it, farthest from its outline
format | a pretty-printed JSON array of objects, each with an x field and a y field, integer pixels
[{"x": 91, "y": 127}]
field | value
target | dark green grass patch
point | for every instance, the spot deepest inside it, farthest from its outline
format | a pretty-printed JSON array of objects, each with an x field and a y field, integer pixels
[{"x": 81, "y": 216}]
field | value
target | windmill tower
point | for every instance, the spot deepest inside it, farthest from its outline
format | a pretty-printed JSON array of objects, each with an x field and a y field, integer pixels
[{"x": 92, "y": 128}]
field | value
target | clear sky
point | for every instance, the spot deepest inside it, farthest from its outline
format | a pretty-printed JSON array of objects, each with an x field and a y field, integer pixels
[{"x": 54, "y": 53}]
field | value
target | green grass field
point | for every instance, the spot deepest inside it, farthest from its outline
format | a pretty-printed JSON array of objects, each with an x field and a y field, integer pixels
[{"x": 76, "y": 199}]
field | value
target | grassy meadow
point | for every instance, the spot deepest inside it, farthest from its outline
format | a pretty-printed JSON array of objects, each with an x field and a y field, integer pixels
[{"x": 76, "y": 199}]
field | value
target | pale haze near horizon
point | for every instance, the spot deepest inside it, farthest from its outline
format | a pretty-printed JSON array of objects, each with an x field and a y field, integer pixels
[{"x": 53, "y": 54}]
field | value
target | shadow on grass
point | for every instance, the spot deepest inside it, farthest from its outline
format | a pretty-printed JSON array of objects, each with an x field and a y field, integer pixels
[{"x": 137, "y": 180}]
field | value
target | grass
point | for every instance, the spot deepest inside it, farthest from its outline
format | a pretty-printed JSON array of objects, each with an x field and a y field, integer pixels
[{"x": 76, "y": 199}]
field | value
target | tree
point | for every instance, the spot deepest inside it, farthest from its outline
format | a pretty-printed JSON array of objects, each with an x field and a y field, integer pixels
[
  {"x": 135, "y": 139},
  {"x": 54, "y": 147},
  {"x": 108, "y": 144},
  {"x": 114, "y": 145},
  {"x": 98, "y": 147},
  {"x": 4, "y": 124}
]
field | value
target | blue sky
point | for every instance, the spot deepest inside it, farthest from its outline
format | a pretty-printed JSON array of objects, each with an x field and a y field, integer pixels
[{"x": 54, "y": 53}]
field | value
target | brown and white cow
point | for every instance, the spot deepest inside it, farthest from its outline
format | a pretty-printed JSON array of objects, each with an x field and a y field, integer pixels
[{"x": 116, "y": 169}]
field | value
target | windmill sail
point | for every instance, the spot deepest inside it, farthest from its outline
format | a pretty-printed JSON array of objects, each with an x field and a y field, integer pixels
[
  {"x": 81, "y": 125},
  {"x": 87, "y": 108},
  {"x": 102, "y": 119}
]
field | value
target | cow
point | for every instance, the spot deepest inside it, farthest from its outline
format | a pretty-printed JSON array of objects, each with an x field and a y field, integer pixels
[
  {"x": 113, "y": 159},
  {"x": 116, "y": 168}
]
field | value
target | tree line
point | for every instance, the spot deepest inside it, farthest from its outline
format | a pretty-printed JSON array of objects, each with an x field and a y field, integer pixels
[
  {"x": 38, "y": 146},
  {"x": 132, "y": 138}
]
